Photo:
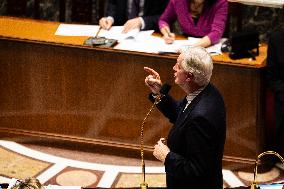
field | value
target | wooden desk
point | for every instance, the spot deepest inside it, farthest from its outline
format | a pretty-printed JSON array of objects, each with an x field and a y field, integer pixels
[{"x": 54, "y": 88}]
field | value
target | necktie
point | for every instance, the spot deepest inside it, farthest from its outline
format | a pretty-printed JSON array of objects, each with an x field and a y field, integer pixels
[{"x": 134, "y": 11}]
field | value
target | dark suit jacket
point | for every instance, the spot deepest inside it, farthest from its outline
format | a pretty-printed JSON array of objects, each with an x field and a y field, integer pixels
[
  {"x": 275, "y": 64},
  {"x": 275, "y": 81},
  {"x": 196, "y": 141},
  {"x": 151, "y": 14}
]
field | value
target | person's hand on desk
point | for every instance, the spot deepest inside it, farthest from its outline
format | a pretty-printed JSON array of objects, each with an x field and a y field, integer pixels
[
  {"x": 167, "y": 35},
  {"x": 203, "y": 42},
  {"x": 105, "y": 23},
  {"x": 153, "y": 80},
  {"x": 132, "y": 24}
]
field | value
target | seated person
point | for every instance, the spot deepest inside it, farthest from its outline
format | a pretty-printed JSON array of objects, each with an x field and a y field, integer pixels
[
  {"x": 275, "y": 81},
  {"x": 197, "y": 18},
  {"x": 142, "y": 14}
]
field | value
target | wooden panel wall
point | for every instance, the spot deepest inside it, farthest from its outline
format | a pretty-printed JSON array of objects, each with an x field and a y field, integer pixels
[{"x": 96, "y": 96}]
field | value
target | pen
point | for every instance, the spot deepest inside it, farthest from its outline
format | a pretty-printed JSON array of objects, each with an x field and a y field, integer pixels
[
  {"x": 98, "y": 32},
  {"x": 165, "y": 30}
]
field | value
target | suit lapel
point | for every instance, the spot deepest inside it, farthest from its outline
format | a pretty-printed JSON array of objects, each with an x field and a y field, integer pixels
[
  {"x": 184, "y": 115},
  {"x": 180, "y": 113}
]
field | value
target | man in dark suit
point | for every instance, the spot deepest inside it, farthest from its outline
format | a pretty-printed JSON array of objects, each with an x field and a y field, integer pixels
[
  {"x": 195, "y": 143},
  {"x": 275, "y": 81},
  {"x": 141, "y": 14}
]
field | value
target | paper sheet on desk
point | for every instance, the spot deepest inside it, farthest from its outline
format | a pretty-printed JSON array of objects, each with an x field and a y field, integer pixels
[
  {"x": 216, "y": 49},
  {"x": 115, "y": 32},
  {"x": 138, "y": 45},
  {"x": 213, "y": 49},
  {"x": 152, "y": 44},
  {"x": 77, "y": 30}
]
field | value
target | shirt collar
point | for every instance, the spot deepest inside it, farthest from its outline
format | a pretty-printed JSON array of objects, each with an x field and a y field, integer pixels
[{"x": 192, "y": 95}]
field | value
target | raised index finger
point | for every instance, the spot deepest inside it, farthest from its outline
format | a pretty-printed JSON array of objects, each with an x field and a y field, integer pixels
[{"x": 152, "y": 72}]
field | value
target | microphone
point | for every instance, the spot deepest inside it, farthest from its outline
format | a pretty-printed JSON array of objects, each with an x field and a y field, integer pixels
[
  {"x": 165, "y": 88},
  {"x": 163, "y": 91}
]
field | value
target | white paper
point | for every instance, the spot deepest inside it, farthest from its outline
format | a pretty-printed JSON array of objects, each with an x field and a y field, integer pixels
[
  {"x": 12, "y": 182},
  {"x": 193, "y": 40},
  {"x": 151, "y": 44},
  {"x": 115, "y": 32},
  {"x": 134, "y": 40},
  {"x": 77, "y": 30},
  {"x": 270, "y": 186},
  {"x": 216, "y": 48},
  {"x": 61, "y": 187},
  {"x": 174, "y": 47},
  {"x": 213, "y": 49}
]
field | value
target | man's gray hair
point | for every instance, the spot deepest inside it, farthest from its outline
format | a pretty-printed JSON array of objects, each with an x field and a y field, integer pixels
[{"x": 198, "y": 62}]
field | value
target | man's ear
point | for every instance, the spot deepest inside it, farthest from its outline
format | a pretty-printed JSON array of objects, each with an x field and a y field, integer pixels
[{"x": 189, "y": 77}]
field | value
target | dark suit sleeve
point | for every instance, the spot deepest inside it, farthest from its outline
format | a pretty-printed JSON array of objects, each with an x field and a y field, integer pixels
[
  {"x": 152, "y": 12},
  {"x": 151, "y": 22},
  {"x": 118, "y": 10},
  {"x": 168, "y": 107},
  {"x": 199, "y": 154},
  {"x": 111, "y": 8}
]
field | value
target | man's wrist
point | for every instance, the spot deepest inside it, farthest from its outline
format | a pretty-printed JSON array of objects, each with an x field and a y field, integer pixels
[
  {"x": 165, "y": 31},
  {"x": 110, "y": 18},
  {"x": 165, "y": 156}
]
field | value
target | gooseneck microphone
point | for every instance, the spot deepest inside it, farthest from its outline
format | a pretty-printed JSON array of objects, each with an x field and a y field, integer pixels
[{"x": 165, "y": 88}]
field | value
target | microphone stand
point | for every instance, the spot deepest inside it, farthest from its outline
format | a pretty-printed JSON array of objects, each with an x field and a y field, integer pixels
[
  {"x": 144, "y": 185},
  {"x": 257, "y": 161}
]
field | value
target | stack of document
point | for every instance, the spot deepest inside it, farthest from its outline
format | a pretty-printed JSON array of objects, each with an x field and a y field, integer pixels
[
  {"x": 134, "y": 40},
  {"x": 152, "y": 44},
  {"x": 115, "y": 32}
]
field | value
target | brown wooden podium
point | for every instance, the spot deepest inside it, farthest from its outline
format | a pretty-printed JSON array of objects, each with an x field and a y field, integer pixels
[{"x": 54, "y": 88}]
